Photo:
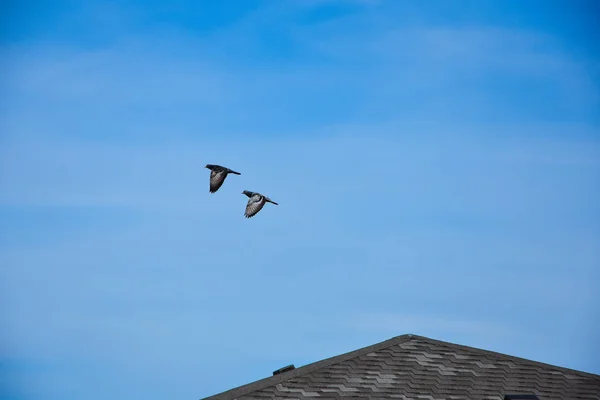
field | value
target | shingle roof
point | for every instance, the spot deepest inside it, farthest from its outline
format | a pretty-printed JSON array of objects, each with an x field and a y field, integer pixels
[{"x": 416, "y": 367}]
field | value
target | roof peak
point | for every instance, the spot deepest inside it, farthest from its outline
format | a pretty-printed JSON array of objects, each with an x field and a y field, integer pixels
[{"x": 396, "y": 340}]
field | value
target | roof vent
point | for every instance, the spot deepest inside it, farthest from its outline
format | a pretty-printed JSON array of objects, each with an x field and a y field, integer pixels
[
  {"x": 284, "y": 369},
  {"x": 521, "y": 397}
]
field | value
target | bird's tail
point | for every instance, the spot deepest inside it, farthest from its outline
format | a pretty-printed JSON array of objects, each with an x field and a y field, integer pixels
[{"x": 233, "y": 172}]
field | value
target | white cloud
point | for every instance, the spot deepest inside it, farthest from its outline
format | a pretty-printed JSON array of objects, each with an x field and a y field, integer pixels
[{"x": 181, "y": 82}]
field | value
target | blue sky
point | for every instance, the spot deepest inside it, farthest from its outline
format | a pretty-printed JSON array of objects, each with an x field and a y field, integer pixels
[{"x": 437, "y": 166}]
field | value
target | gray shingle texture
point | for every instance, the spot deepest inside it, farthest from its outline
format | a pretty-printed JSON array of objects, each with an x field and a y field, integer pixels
[{"x": 414, "y": 367}]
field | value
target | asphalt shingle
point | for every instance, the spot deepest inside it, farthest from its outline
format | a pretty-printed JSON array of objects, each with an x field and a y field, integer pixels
[{"x": 416, "y": 367}]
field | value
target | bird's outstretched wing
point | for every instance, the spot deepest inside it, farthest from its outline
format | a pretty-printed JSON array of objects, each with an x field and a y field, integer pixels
[
  {"x": 216, "y": 180},
  {"x": 255, "y": 204}
]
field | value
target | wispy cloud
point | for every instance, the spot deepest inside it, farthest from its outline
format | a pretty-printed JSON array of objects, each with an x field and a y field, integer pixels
[{"x": 409, "y": 72}]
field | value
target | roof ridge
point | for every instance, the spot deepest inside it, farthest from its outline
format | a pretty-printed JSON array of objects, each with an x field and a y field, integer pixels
[
  {"x": 308, "y": 368},
  {"x": 507, "y": 356},
  {"x": 396, "y": 340}
]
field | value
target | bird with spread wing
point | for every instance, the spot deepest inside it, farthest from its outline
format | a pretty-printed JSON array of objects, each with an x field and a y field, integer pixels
[
  {"x": 218, "y": 174},
  {"x": 256, "y": 202}
]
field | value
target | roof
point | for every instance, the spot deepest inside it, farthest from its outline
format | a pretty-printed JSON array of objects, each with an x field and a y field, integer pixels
[{"x": 416, "y": 367}]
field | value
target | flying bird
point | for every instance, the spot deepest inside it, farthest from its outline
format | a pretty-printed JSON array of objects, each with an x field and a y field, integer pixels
[
  {"x": 256, "y": 202},
  {"x": 218, "y": 175}
]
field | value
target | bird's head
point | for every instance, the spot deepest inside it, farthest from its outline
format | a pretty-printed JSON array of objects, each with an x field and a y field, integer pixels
[
  {"x": 209, "y": 166},
  {"x": 248, "y": 193}
]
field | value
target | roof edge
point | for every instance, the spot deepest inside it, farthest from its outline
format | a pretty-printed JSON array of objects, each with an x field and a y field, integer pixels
[
  {"x": 308, "y": 368},
  {"x": 520, "y": 359}
]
